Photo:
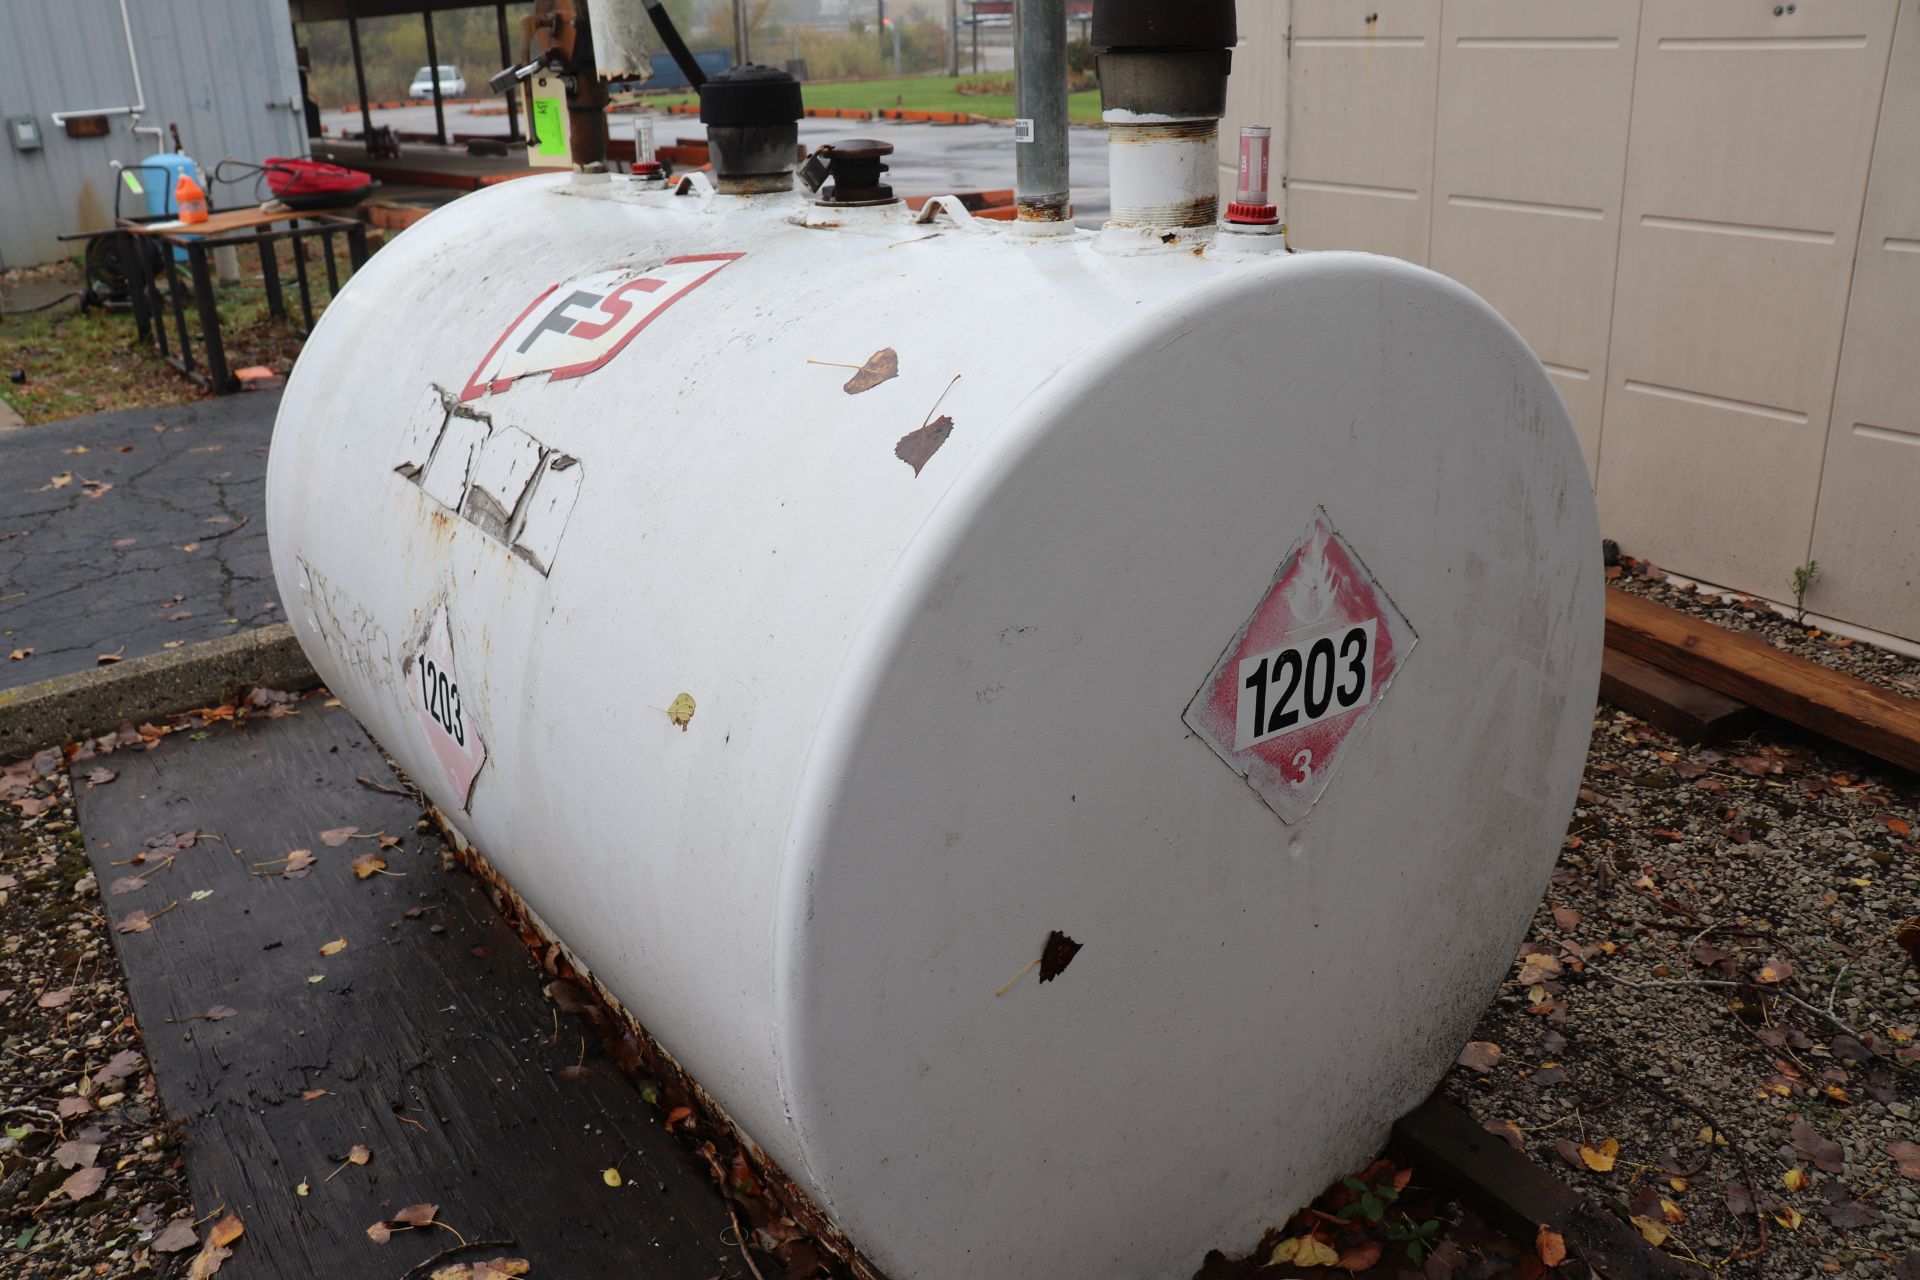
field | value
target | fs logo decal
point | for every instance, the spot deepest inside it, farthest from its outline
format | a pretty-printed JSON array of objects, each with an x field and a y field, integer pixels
[{"x": 577, "y": 326}]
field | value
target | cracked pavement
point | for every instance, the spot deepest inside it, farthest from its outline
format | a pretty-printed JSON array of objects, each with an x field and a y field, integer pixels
[{"x": 86, "y": 571}]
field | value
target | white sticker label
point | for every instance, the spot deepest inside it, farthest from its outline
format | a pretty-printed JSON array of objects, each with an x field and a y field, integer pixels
[
  {"x": 1300, "y": 684},
  {"x": 1023, "y": 131},
  {"x": 435, "y": 689}
]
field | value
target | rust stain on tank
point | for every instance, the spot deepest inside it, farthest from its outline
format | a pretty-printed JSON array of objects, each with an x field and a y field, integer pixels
[
  {"x": 92, "y": 214},
  {"x": 1141, "y": 135}
]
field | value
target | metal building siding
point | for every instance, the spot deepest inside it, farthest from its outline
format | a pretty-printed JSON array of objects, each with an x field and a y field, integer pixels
[{"x": 211, "y": 66}]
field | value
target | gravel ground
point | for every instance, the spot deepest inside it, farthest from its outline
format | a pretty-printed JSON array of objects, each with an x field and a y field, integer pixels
[
  {"x": 1710, "y": 1025},
  {"x": 1713, "y": 983},
  {"x": 90, "y": 1173}
]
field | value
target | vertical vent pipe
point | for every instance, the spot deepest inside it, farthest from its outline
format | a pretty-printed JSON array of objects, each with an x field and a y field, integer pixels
[
  {"x": 1163, "y": 88},
  {"x": 1040, "y": 95}
]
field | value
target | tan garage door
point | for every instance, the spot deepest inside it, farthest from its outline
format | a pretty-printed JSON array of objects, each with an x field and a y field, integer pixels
[
  {"x": 1746, "y": 171},
  {"x": 1866, "y": 533},
  {"x": 1666, "y": 199}
]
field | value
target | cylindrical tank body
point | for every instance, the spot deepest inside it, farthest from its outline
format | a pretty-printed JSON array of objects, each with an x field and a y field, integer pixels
[{"x": 807, "y": 705}]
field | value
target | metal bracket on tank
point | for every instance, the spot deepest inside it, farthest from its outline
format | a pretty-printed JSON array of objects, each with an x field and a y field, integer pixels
[{"x": 953, "y": 207}]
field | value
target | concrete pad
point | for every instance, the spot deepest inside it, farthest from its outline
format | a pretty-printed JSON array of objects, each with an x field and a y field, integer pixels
[{"x": 161, "y": 684}]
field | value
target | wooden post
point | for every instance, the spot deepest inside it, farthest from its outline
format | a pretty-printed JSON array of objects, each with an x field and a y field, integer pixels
[
  {"x": 433, "y": 72},
  {"x": 509, "y": 58},
  {"x": 360, "y": 80}
]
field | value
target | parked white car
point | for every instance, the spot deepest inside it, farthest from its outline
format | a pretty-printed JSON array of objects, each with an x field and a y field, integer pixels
[{"x": 452, "y": 83}]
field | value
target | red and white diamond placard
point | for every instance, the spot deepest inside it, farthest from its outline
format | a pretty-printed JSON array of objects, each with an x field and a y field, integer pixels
[
  {"x": 435, "y": 689},
  {"x": 1303, "y": 674}
]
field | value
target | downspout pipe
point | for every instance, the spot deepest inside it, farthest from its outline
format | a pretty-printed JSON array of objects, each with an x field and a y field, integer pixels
[
  {"x": 1163, "y": 89},
  {"x": 1040, "y": 95}
]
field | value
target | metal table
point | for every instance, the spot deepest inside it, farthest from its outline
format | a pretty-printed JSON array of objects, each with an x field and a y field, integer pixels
[{"x": 235, "y": 227}]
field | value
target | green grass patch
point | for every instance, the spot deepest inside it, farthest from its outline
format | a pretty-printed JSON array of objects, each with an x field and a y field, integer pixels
[
  {"x": 920, "y": 93},
  {"x": 79, "y": 362}
]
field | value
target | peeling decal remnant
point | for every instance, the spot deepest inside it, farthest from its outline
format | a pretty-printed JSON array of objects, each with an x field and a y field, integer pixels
[
  {"x": 498, "y": 479},
  {"x": 1303, "y": 673}
]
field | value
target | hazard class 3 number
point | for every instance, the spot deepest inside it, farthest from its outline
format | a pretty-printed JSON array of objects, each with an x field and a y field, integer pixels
[{"x": 1298, "y": 685}]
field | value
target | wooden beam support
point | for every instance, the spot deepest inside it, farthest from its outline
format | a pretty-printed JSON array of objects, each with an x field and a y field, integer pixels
[
  {"x": 1517, "y": 1196},
  {"x": 1863, "y": 716},
  {"x": 1690, "y": 712}
]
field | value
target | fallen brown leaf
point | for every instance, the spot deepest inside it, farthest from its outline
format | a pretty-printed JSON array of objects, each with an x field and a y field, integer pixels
[
  {"x": 76, "y": 1154},
  {"x": 1550, "y": 1245},
  {"x": 882, "y": 366},
  {"x": 54, "y": 999},
  {"x": 208, "y": 1261},
  {"x": 299, "y": 862},
  {"x": 1774, "y": 972},
  {"x": 1600, "y": 1159},
  {"x": 918, "y": 446},
  {"x": 338, "y": 836},
  {"x": 118, "y": 1067},
  {"x": 227, "y": 1230},
  {"x": 1480, "y": 1055},
  {"x": 367, "y": 865},
  {"x": 1509, "y": 1130},
  {"x": 1361, "y": 1257},
  {"x": 334, "y": 948},
  {"x": 176, "y": 1237},
  {"x": 1825, "y": 1153},
  {"x": 1906, "y": 1158},
  {"x": 1057, "y": 955},
  {"x": 417, "y": 1215},
  {"x": 83, "y": 1183}
]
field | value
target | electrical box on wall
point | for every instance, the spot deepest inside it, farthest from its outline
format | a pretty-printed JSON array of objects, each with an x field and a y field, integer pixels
[{"x": 24, "y": 133}]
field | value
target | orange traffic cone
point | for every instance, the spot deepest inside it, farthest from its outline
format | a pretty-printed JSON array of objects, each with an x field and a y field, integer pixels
[{"x": 190, "y": 199}]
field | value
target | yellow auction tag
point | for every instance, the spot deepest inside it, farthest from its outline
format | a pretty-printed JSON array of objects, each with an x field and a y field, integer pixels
[{"x": 550, "y": 147}]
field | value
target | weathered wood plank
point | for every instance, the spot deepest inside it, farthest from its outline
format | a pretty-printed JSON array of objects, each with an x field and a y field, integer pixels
[
  {"x": 1517, "y": 1196},
  {"x": 1850, "y": 711},
  {"x": 430, "y": 1035},
  {"x": 1691, "y": 712}
]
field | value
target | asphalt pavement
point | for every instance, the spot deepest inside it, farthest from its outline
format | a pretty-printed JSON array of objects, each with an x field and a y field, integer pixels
[{"x": 133, "y": 533}]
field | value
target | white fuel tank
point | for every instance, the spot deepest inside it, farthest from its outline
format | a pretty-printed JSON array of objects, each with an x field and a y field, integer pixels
[{"x": 1236, "y": 616}]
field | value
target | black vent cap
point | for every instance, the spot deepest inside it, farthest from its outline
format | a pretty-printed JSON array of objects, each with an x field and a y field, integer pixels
[
  {"x": 749, "y": 95},
  {"x": 1164, "y": 24}
]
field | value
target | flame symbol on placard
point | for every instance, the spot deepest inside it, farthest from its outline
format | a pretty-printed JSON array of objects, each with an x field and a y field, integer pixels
[{"x": 1310, "y": 595}]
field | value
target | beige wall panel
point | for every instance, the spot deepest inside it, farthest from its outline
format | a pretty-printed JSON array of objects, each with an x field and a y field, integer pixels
[
  {"x": 1867, "y": 533},
  {"x": 1530, "y": 153},
  {"x": 1746, "y": 172},
  {"x": 1257, "y": 93},
  {"x": 1360, "y": 150}
]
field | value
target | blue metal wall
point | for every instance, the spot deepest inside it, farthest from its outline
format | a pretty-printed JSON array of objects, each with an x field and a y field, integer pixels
[{"x": 223, "y": 70}]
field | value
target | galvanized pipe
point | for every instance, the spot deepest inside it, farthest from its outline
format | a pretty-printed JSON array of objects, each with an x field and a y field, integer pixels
[{"x": 1040, "y": 94}]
